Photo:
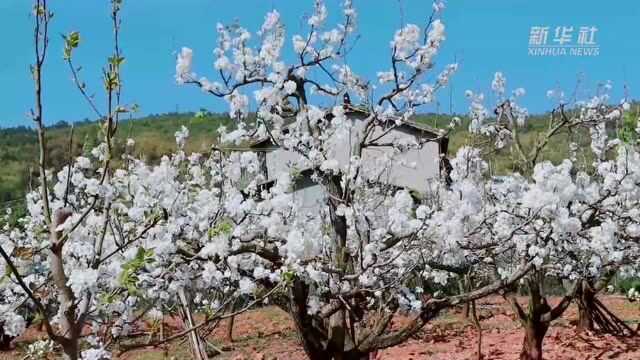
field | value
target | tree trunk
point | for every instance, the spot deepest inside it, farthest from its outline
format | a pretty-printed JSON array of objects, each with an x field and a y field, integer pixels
[
  {"x": 534, "y": 336},
  {"x": 337, "y": 334},
  {"x": 586, "y": 306},
  {"x": 540, "y": 314},
  {"x": 197, "y": 345},
  {"x": 5, "y": 340},
  {"x": 465, "y": 307},
  {"x": 318, "y": 340},
  {"x": 70, "y": 350},
  {"x": 465, "y": 311},
  {"x": 312, "y": 336},
  {"x": 69, "y": 330},
  {"x": 593, "y": 316},
  {"x": 355, "y": 355}
]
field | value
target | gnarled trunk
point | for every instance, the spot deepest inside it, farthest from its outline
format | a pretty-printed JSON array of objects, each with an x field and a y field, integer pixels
[
  {"x": 593, "y": 315},
  {"x": 70, "y": 349},
  {"x": 586, "y": 307},
  {"x": 535, "y": 331},
  {"x": 321, "y": 339},
  {"x": 540, "y": 314}
]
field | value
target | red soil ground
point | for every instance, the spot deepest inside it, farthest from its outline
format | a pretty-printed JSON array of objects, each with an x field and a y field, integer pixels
[{"x": 268, "y": 334}]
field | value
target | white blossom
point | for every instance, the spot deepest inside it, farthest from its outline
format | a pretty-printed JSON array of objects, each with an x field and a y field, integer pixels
[{"x": 183, "y": 66}]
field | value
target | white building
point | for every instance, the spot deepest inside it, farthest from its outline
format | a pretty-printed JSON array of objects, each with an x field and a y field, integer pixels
[{"x": 411, "y": 170}]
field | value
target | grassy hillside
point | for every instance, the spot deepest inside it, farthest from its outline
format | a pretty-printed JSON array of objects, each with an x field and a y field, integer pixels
[
  {"x": 154, "y": 136},
  {"x": 501, "y": 161}
]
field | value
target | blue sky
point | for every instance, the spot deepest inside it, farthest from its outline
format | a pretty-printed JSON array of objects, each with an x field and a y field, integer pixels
[{"x": 484, "y": 36}]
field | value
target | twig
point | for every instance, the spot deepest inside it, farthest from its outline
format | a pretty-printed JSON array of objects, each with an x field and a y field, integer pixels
[
  {"x": 66, "y": 191},
  {"x": 203, "y": 323},
  {"x": 476, "y": 322}
]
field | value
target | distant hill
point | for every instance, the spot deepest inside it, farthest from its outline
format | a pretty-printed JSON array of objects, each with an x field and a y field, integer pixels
[{"x": 154, "y": 136}]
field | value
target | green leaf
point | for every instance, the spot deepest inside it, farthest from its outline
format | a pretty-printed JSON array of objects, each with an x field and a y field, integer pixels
[
  {"x": 296, "y": 174},
  {"x": 116, "y": 61},
  {"x": 415, "y": 193},
  {"x": 208, "y": 311},
  {"x": 7, "y": 271},
  {"x": 71, "y": 41},
  {"x": 222, "y": 227},
  {"x": 37, "y": 317},
  {"x": 128, "y": 278},
  {"x": 111, "y": 80},
  {"x": 74, "y": 38},
  {"x": 288, "y": 276},
  {"x": 38, "y": 230},
  {"x": 107, "y": 298},
  {"x": 38, "y": 10}
]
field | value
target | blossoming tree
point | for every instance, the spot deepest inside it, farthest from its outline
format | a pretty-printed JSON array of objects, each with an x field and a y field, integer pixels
[
  {"x": 109, "y": 242},
  {"x": 97, "y": 247},
  {"x": 347, "y": 270},
  {"x": 584, "y": 224}
]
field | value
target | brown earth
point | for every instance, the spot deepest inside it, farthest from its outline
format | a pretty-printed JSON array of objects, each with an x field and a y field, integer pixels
[{"x": 268, "y": 333}]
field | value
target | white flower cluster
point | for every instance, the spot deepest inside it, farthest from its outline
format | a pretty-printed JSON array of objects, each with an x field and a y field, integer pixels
[
  {"x": 11, "y": 323},
  {"x": 95, "y": 354},
  {"x": 82, "y": 279},
  {"x": 40, "y": 349},
  {"x": 183, "y": 66}
]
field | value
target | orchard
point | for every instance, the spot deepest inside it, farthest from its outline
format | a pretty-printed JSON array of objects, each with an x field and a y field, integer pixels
[{"x": 113, "y": 246}]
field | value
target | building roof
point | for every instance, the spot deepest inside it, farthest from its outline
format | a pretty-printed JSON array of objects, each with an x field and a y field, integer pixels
[
  {"x": 412, "y": 124},
  {"x": 434, "y": 132}
]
